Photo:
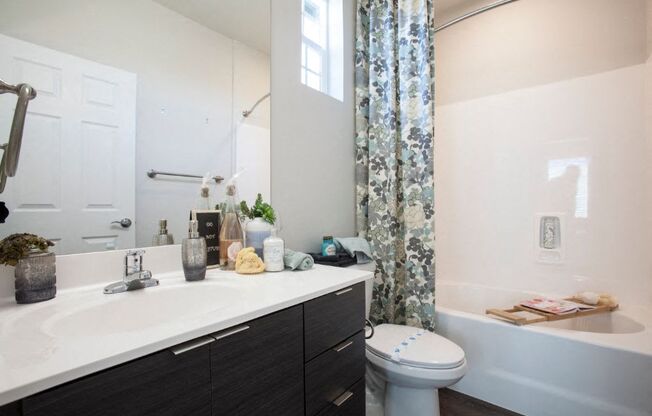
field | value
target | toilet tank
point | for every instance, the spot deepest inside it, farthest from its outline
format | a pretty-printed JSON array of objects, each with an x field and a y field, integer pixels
[{"x": 369, "y": 284}]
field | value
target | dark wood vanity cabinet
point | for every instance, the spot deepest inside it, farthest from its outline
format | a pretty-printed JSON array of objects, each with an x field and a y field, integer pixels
[
  {"x": 258, "y": 368},
  {"x": 335, "y": 352},
  {"x": 163, "y": 384}
]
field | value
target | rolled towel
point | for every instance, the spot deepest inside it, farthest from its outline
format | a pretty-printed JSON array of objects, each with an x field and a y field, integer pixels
[
  {"x": 590, "y": 298},
  {"x": 296, "y": 260}
]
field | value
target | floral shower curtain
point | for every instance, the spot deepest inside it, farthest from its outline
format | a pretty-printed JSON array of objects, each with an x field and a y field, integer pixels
[{"x": 394, "y": 155}]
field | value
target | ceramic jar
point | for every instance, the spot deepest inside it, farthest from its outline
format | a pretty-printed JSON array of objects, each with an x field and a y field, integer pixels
[{"x": 256, "y": 231}]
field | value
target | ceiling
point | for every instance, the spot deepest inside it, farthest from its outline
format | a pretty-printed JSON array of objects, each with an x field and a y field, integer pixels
[{"x": 247, "y": 21}]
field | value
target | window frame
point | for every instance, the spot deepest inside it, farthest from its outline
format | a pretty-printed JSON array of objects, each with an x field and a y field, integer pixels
[{"x": 322, "y": 51}]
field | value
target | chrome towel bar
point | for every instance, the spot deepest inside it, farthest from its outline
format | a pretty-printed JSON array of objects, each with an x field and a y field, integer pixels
[
  {"x": 9, "y": 163},
  {"x": 154, "y": 173}
]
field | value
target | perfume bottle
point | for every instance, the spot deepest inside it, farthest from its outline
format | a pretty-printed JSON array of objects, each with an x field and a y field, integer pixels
[
  {"x": 163, "y": 238},
  {"x": 193, "y": 254},
  {"x": 231, "y": 237}
]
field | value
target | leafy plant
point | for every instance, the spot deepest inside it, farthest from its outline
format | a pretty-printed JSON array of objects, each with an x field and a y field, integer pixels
[
  {"x": 18, "y": 246},
  {"x": 260, "y": 209}
]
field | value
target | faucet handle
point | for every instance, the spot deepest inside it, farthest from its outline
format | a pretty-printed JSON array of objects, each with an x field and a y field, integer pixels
[{"x": 134, "y": 262}]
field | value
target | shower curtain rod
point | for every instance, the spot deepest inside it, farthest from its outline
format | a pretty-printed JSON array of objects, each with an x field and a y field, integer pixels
[
  {"x": 474, "y": 13},
  {"x": 247, "y": 113}
]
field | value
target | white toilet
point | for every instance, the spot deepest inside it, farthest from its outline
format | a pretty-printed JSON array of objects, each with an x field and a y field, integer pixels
[{"x": 405, "y": 368}]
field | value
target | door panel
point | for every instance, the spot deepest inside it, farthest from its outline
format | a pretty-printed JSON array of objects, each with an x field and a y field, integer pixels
[{"x": 77, "y": 164}]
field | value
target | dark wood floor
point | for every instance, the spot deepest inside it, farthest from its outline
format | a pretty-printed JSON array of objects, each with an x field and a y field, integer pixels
[{"x": 453, "y": 403}]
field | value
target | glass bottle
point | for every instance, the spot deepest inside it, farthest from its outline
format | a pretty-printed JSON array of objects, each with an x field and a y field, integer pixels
[
  {"x": 204, "y": 201},
  {"x": 328, "y": 246},
  {"x": 231, "y": 238}
]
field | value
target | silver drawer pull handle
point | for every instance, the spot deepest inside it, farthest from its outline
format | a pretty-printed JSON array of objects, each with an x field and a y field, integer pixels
[
  {"x": 221, "y": 335},
  {"x": 343, "y": 347},
  {"x": 191, "y": 345},
  {"x": 341, "y": 292},
  {"x": 343, "y": 398}
]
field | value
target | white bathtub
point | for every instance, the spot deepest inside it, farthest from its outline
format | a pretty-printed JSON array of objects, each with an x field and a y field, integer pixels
[{"x": 594, "y": 366}]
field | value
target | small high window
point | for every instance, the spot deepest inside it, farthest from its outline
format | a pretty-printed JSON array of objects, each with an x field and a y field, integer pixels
[{"x": 321, "y": 46}]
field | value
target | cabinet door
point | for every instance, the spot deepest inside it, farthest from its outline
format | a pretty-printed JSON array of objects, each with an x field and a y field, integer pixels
[
  {"x": 332, "y": 318},
  {"x": 166, "y": 383},
  {"x": 11, "y": 409},
  {"x": 349, "y": 403},
  {"x": 329, "y": 375},
  {"x": 257, "y": 368}
]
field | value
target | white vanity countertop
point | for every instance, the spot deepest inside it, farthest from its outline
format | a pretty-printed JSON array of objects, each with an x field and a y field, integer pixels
[{"x": 83, "y": 331}]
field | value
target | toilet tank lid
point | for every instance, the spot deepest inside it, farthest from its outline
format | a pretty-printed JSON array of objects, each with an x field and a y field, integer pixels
[{"x": 415, "y": 347}]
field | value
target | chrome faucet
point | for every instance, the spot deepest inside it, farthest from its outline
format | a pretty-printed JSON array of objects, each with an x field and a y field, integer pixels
[{"x": 135, "y": 277}]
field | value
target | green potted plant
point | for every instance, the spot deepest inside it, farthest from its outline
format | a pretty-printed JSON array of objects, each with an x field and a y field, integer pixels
[
  {"x": 262, "y": 218},
  {"x": 35, "y": 271}
]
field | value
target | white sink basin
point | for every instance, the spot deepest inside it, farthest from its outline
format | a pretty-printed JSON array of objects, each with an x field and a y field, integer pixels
[
  {"x": 90, "y": 313},
  {"x": 146, "y": 308}
]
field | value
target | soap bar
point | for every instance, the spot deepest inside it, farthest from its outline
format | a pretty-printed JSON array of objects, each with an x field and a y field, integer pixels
[{"x": 248, "y": 262}]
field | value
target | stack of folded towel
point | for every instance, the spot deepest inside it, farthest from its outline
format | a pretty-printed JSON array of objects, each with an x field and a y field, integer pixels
[{"x": 350, "y": 250}]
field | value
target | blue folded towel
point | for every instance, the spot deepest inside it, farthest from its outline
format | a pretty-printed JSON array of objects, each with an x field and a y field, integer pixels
[
  {"x": 355, "y": 247},
  {"x": 295, "y": 260}
]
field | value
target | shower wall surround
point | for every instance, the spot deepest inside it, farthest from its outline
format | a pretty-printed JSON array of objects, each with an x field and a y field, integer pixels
[{"x": 550, "y": 114}]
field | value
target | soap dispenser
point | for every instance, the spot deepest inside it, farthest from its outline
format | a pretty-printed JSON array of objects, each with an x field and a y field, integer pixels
[
  {"x": 163, "y": 238},
  {"x": 193, "y": 254},
  {"x": 273, "y": 251}
]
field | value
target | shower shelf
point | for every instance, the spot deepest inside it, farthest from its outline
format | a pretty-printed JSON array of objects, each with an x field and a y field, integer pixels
[{"x": 534, "y": 316}]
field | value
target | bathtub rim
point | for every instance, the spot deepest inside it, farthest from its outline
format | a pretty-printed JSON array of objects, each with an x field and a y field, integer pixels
[{"x": 636, "y": 342}]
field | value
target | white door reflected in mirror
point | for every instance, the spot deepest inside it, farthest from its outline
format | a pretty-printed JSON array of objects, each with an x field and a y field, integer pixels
[{"x": 154, "y": 84}]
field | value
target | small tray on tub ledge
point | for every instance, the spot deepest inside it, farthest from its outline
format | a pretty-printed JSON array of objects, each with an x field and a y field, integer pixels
[{"x": 544, "y": 310}]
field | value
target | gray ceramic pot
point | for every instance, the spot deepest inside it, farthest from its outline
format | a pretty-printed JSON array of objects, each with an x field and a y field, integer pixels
[{"x": 36, "y": 278}]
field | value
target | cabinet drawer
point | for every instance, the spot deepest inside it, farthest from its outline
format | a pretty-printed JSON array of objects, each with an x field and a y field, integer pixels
[
  {"x": 332, "y": 318},
  {"x": 350, "y": 403},
  {"x": 330, "y": 375},
  {"x": 160, "y": 384},
  {"x": 257, "y": 368}
]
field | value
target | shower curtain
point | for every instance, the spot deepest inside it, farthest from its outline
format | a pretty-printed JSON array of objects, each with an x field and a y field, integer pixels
[{"x": 394, "y": 155}]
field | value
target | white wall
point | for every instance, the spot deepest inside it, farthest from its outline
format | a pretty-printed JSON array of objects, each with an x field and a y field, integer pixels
[
  {"x": 313, "y": 160},
  {"x": 186, "y": 103},
  {"x": 252, "y": 134},
  {"x": 556, "y": 40},
  {"x": 517, "y": 88}
]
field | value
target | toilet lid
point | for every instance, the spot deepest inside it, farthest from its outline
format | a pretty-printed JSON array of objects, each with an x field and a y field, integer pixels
[{"x": 414, "y": 347}]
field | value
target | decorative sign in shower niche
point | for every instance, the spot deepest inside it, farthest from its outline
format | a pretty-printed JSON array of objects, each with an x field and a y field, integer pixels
[{"x": 549, "y": 232}]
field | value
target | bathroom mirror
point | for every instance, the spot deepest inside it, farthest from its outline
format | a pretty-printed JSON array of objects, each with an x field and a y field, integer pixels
[{"x": 129, "y": 90}]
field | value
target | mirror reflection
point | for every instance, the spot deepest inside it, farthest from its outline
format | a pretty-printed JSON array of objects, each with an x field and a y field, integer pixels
[{"x": 137, "y": 100}]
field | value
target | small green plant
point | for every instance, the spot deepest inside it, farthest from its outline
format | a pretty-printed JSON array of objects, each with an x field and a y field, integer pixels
[
  {"x": 18, "y": 246},
  {"x": 260, "y": 209}
]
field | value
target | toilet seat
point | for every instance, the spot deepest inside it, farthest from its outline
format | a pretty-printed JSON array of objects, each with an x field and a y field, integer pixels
[
  {"x": 415, "y": 348},
  {"x": 417, "y": 377}
]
